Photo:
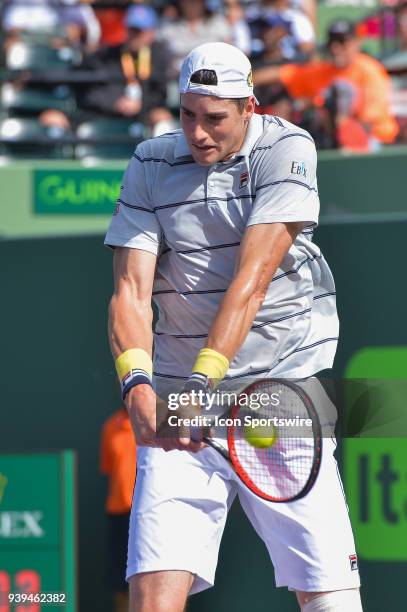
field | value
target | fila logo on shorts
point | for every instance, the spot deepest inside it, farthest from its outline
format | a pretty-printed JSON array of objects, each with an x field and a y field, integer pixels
[
  {"x": 298, "y": 168},
  {"x": 353, "y": 559},
  {"x": 244, "y": 179}
]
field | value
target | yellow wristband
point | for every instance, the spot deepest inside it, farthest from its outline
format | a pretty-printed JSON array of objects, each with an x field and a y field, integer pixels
[
  {"x": 134, "y": 359},
  {"x": 212, "y": 364}
]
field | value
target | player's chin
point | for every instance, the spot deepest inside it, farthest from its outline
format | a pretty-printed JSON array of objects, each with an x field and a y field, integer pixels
[{"x": 206, "y": 157}]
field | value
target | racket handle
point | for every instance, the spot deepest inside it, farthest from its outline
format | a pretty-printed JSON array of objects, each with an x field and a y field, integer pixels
[
  {"x": 218, "y": 447},
  {"x": 196, "y": 436}
]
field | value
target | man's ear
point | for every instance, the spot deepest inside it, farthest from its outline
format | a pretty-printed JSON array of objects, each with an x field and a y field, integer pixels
[{"x": 250, "y": 107}]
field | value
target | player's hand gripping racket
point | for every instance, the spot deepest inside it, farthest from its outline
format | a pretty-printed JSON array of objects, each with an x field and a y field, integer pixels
[{"x": 279, "y": 462}]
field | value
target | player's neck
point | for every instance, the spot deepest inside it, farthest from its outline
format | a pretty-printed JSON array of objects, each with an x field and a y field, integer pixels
[{"x": 237, "y": 147}]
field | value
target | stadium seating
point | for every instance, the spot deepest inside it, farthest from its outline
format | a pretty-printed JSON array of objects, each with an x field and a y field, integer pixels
[
  {"x": 26, "y": 56},
  {"x": 118, "y": 138},
  {"x": 31, "y": 100},
  {"x": 28, "y": 138}
]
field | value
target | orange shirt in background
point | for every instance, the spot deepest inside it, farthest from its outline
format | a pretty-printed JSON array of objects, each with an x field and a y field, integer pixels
[
  {"x": 112, "y": 25},
  {"x": 370, "y": 79},
  {"x": 118, "y": 461}
]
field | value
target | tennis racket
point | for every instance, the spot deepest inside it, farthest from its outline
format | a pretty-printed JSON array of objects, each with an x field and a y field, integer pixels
[{"x": 287, "y": 469}]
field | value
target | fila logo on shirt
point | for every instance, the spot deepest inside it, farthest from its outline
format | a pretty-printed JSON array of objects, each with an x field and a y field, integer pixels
[
  {"x": 353, "y": 559},
  {"x": 244, "y": 179},
  {"x": 298, "y": 168}
]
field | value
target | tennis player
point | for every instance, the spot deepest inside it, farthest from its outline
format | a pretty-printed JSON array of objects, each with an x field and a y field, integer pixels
[{"x": 215, "y": 222}]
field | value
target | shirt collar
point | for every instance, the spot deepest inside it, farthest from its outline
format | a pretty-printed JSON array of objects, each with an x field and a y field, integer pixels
[
  {"x": 254, "y": 131},
  {"x": 181, "y": 146}
]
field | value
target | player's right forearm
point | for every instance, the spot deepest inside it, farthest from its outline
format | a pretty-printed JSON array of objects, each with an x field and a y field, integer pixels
[{"x": 130, "y": 325}]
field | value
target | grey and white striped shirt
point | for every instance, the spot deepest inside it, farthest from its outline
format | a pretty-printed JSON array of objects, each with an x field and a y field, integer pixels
[{"x": 193, "y": 217}]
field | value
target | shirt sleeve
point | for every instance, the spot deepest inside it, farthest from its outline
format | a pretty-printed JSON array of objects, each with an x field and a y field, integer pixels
[
  {"x": 134, "y": 223},
  {"x": 286, "y": 183}
]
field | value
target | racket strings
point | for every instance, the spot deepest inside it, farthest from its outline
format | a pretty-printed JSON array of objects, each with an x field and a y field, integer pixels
[{"x": 281, "y": 470}]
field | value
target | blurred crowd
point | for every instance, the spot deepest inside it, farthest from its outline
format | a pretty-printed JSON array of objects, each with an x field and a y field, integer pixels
[{"x": 96, "y": 70}]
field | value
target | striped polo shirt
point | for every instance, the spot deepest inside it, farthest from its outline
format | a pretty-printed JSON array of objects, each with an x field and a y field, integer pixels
[{"x": 193, "y": 218}]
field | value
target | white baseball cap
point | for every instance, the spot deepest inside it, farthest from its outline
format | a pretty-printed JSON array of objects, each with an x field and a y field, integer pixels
[{"x": 232, "y": 67}]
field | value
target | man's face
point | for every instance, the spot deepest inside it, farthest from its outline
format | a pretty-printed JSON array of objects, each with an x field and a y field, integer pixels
[
  {"x": 271, "y": 36},
  {"x": 192, "y": 9},
  {"x": 343, "y": 53},
  {"x": 139, "y": 38},
  {"x": 214, "y": 128}
]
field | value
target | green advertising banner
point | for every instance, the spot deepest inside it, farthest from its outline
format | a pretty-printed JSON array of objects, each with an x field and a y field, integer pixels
[
  {"x": 37, "y": 532},
  {"x": 75, "y": 191},
  {"x": 376, "y": 461},
  {"x": 376, "y": 487}
]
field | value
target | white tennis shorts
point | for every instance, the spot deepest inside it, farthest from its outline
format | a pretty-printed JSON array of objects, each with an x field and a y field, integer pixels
[{"x": 179, "y": 512}]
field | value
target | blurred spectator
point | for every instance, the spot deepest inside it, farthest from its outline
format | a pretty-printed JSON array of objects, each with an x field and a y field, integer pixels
[
  {"x": 273, "y": 98},
  {"x": 272, "y": 30},
  {"x": 30, "y": 15},
  {"x": 118, "y": 463},
  {"x": 353, "y": 89},
  {"x": 396, "y": 63},
  {"x": 195, "y": 25},
  {"x": 78, "y": 20},
  {"x": 299, "y": 39},
  {"x": 56, "y": 120},
  {"x": 241, "y": 35},
  {"x": 112, "y": 24},
  {"x": 80, "y": 23},
  {"x": 402, "y": 26},
  {"x": 309, "y": 8},
  {"x": 134, "y": 72}
]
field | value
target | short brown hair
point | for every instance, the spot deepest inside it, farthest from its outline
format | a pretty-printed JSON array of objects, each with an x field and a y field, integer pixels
[
  {"x": 240, "y": 103},
  {"x": 209, "y": 77}
]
